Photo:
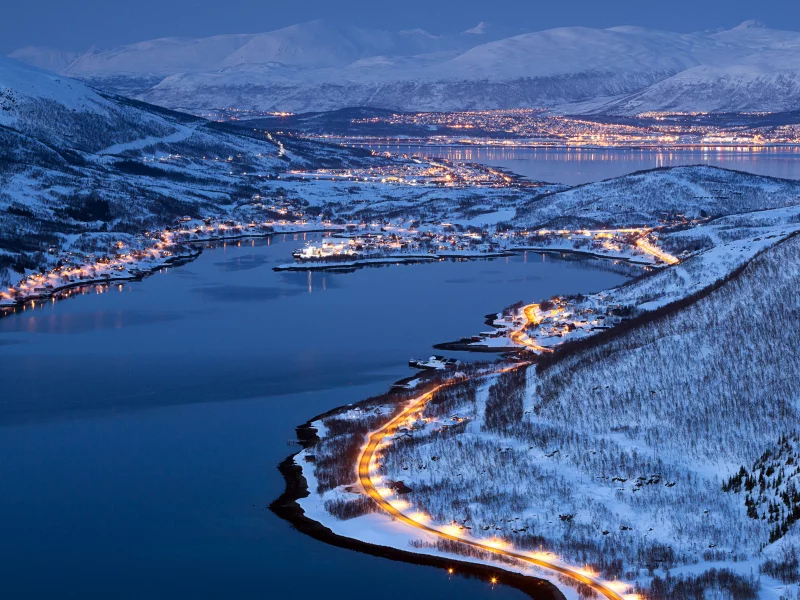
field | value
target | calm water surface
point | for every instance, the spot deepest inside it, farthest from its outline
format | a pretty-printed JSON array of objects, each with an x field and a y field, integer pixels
[
  {"x": 140, "y": 428},
  {"x": 574, "y": 166}
]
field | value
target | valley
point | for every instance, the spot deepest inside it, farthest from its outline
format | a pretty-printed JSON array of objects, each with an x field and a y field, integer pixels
[{"x": 251, "y": 229}]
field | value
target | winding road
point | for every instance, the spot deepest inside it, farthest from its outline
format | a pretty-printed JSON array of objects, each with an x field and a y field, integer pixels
[
  {"x": 366, "y": 464},
  {"x": 521, "y": 337}
]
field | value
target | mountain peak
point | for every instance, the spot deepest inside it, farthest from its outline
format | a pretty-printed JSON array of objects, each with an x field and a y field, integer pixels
[
  {"x": 479, "y": 29},
  {"x": 750, "y": 24}
]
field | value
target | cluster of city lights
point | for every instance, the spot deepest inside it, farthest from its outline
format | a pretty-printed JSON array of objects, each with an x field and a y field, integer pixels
[
  {"x": 411, "y": 171},
  {"x": 537, "y": 126}
]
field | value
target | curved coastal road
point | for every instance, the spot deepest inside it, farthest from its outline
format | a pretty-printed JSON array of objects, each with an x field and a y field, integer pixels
[
  {"x": 520, "y": 336},
  {"x": 376, "y": 438},
  {"x": 364, "y": 476}
]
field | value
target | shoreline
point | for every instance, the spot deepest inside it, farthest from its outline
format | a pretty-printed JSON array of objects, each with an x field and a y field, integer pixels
[
  {"x": 355, "y": 264},
  {"x": 54, "y": 294},
  {"x": 9, "y": 308},
  {"x": 287, "y": 507},
  {"x": 388, "y": 260},
  {"x": 545, "y": 250},
  {"x": 368, "y": 459},
  {"x": 469, "y": 345},
  {"x": 526, "y": 143},
  {"x": 417, "y": 258}
]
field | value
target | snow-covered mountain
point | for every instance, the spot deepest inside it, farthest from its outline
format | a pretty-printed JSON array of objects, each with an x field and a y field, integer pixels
[
  {"x": 319, "y": 66},
  {"x": 311, "y": 45},
  {"x": 45, "y": 57},
  {"x": 65, "y": 113},
  {"x": 77, "y": 163},
  {"x": 766, "y": 81}
]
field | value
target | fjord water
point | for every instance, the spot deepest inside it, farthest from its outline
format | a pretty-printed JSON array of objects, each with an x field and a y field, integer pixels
[
  {"x": 140, "y": 428},
  {"x": 576, "y": 166}
]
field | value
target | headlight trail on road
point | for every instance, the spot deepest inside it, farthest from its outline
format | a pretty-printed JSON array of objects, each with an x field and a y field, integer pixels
[{"x": 420, "y": 521}]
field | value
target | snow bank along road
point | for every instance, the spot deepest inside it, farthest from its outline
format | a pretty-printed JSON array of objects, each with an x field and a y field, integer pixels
[{"x": 366, "y": 465}]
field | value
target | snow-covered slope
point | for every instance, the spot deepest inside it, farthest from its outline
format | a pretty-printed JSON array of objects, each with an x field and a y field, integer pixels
[
  {"x": 45, "y": 57},
  {"x": 767, "y": 80},
  {"x": 22, "y": 84},
  {"x": 65, "y": 112},
  {"x": 67, "y": 115},
  {"x": 157, "y": 57},
  {"x": 664, "y": 457},
  {"x": 561, "y": 51},
  {"x": 619, "y": 456},
  {"x": 757, "y": 70},
  {"x": 641, "y": 69},
  {"x": 314, "y": 44},
  {"x": 77, "y": 162},
  {"x": 319, "y": 66},
  {"x": 645, "y": 197},
  {"x": 318, "y": 45}
]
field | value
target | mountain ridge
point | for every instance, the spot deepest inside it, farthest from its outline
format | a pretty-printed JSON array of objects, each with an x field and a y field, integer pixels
[{"x": 318, "y": 66}]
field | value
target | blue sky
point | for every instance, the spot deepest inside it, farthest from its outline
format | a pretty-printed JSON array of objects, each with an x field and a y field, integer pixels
[{"x": 78, "y": 24}]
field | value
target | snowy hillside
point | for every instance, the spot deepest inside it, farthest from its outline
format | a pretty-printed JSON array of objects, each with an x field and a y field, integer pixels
[
  {"x": 76, "y": 163},
  {"x": 645, "y": 197},
  {"x": 65, "y": 112},
  {"x": 768, "y": 79},
  {"x": 661, "y": 454},
  {"x": 562, "y": 51},
  {"x": 44, "y": 57},
  {"x": 679, "y": 399},
  {"x": 548, "y": 68},
  {"x": 665, "y": 457},
  {"x": 319, "y": 66}
]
